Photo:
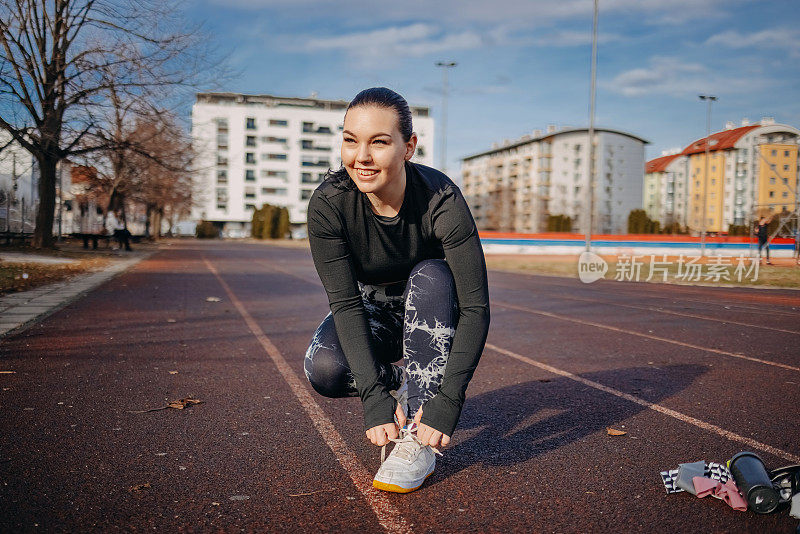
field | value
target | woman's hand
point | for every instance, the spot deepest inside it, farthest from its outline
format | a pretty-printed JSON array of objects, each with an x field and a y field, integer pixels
[
  {"x": 428, "y": 435},
  {"x": 380, "y": 435}
]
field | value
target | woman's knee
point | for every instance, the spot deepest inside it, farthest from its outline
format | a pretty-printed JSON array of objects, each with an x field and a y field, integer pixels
[
  {"x": 325, "y": 365},
  {"x": 432, "y": 273},
  {"x": 328, "y": 375}
]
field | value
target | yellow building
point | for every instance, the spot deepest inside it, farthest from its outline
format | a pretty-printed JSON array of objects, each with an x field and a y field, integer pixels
[{"x": 751, "y": 171}]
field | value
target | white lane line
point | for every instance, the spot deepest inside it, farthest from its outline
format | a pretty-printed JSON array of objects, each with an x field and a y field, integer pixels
[
  {"x": 388, "y": 516},
  {"x": 648, "y": 336},
  {"x": 657, "y": 310},
  {"x": 655, "y": 407}
]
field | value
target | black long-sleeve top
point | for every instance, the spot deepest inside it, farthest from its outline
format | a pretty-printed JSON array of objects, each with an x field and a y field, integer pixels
[{"x": 350, "y": 243}]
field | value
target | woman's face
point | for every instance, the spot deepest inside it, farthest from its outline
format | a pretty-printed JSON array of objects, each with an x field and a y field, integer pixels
[{"x": 373, "y": 149}]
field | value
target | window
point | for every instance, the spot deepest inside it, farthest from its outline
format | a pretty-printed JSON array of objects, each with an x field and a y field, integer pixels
[
  {"x": 772, "y": 166},
  {"x": 273, "y": 139},
  {"x": 421, "y": 151},
  {"x": 785, "y": 194},
  {"x": 273, "y": 190},
  {"x": 222, "y": 160},
  {"x": 222, "y": 207},
  {"x": 713, "y": 181},
  {"x": 222, "y": 124},
  {"x": 772, "y": 194},
  {"x": 275, "y": 174},
  {"x": 250, "y": 207},
  {"x": 785, "y": 167},
  {"x": 774, "y": 152},
  {"x": 250, "y": 123},
  {"x": 306, "y": 144},
  {"x": 277, "y": 156},
  {"x": 305, "y": 194},
  {"x": 250, "y": 194},
  {"x": 222, "y": 194},
  {"x": 249, "y": 157},
  {"x": 278, "y": 122},
  {"x": 222, "y": 176},
  {"x": 309, "y": 178},
  {"x": 250, "y": 175},
  {"x": 785, "y": 153},
  {"x": 771, "y": 180},
  {"x": 250, "y": 140}
]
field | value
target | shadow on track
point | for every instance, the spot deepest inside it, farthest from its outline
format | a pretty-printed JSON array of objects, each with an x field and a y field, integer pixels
[{"x": 523, "y": 421}]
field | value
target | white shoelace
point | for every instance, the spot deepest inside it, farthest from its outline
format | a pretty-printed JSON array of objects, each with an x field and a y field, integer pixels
[{"x": 406, "y": 446}]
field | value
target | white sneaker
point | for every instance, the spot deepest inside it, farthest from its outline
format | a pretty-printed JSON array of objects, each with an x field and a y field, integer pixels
[{"x": 408, "y": 465}]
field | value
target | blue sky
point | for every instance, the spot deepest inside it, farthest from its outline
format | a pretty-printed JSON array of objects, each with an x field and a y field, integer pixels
[{"x": 524, "y": 64}]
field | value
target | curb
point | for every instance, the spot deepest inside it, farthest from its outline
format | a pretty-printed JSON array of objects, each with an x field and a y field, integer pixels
[{"x": 20, "y": 311}]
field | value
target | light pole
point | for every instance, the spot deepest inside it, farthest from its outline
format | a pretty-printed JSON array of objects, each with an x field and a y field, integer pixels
[
  {"x": 710, "y": 99},
  {"x": 590, "y": 189},
  {"x": 445, "y": 65}
]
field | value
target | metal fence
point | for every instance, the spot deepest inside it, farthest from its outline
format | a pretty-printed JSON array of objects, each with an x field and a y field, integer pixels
[{"x": 17, "y": 214}]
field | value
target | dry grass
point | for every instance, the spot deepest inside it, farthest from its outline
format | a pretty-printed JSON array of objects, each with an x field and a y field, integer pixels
[
  {"x": 785, "y": 273},
  {"x": 12, "y": 274},
  {"x": 23, "y": 276}
]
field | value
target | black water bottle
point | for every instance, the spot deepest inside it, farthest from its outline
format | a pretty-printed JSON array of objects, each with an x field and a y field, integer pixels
[{"x": 754, "y": 483}]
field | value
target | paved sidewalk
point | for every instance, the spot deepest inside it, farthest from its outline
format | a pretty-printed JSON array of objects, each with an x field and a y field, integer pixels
[{"x": 19, "y": 310}]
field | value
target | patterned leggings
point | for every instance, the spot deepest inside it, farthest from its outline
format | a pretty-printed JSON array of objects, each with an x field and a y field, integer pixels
[{"x": 415, "y": 322}]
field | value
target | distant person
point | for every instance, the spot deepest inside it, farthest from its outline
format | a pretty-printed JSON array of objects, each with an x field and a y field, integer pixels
[
  {"x": 120, "y": 232},
  {"x": 398, "y": 253},
  {"x": 762, "y": 231}
]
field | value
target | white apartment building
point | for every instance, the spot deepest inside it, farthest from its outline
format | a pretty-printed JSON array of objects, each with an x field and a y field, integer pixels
[
  {"x": 752, "y": 170},
  {"x": 515, "y": 186},
  {"x": 263, "y": 149},
  {"x": 19, "y": 186}
]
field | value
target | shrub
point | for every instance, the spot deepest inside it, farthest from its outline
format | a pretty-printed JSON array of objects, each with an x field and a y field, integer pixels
[{"x": 206, "y": 230}]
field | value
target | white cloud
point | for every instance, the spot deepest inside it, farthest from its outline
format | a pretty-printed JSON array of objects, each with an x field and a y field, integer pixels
[
  {"x": 780, "y": 38},
  {"x": 575, "y": 38},
  {"x": 518, "y": 13},
  {"x": 672, "y": 76},
  {"x": 384, "y": 46}
]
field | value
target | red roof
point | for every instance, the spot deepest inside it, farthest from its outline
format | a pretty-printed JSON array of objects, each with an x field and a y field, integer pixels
[
  {"x": 719, "y": 141},
  {"x": 659, "y": 164}
]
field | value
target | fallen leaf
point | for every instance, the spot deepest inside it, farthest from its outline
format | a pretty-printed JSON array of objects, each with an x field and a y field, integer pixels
[
  {"x": 183, "y": 403},
  {"x": 7, "y": 372},
  {"x": 173, "y": 372},
  {"x": 171, "y": 320},
  {"x": 179, "y": 404},
  {"x": 214, "y": 503},
  {"x": 213, "y": 299},
  {"x": 615, "y": 432},
  {"x": 139, "y": 487}
]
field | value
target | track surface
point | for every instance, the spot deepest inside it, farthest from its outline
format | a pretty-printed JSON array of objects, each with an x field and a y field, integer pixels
[{"x": 564, "y": 361}]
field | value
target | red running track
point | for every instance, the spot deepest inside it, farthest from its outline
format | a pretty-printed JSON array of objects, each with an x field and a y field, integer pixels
[{"x": 690, "y": 373}]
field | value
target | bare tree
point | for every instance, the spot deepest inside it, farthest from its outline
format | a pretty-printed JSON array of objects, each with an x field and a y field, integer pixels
[
  {"x": 160, "y": 165},
  {"x": 60, "y": 58}
]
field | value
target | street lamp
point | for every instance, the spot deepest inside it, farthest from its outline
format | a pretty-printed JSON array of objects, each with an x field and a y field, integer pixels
[
  {"x": 710, "y": 99},
  {"x": 590, "y": 189},
  {"x": 444, "y": 65}
]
